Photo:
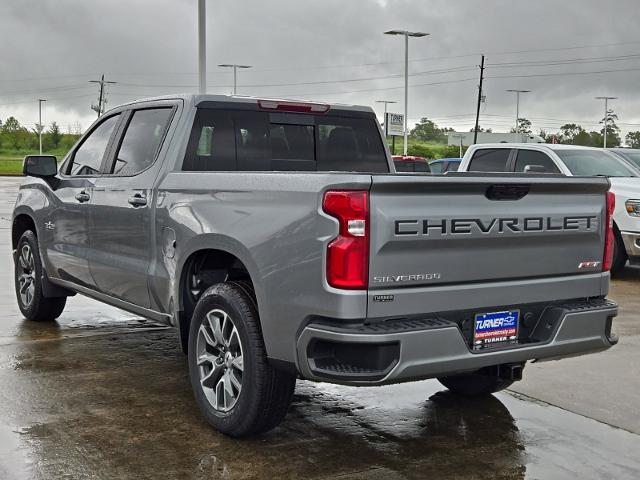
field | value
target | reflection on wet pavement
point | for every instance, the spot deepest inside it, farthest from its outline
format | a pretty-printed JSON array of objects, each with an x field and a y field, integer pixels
[{"x": 120, "y": 406}]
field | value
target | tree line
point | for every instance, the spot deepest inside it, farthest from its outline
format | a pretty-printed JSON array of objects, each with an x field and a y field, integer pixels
[
  {"x": 17, "y": 137},
  {"x": 570, "y": 133}
]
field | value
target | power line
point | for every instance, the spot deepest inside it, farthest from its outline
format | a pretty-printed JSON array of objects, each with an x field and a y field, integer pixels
[
  {"x": 561, "y": 74},
  {"x": 317, "y": 82},
  {"x": 319, "y": 67},
  {"x": 557, "y": 49},
  {"x": 50, "y": 99},
  {"x": 44, "y": 89},
  {"x": 567, "y": 61},
  {"x": 448, "y": 82}
]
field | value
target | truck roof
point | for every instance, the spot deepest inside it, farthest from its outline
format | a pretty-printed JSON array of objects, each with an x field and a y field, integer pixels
[
  {"x": 549, "y": 146},
  {"x": 197, "y": 99}
]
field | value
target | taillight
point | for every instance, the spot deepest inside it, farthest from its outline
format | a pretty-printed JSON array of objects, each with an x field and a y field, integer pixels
[
  {"x": 609, "y": 239},
  {"x": 348, "y": 253}
]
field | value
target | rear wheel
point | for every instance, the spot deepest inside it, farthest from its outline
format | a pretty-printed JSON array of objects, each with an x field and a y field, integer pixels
[
  {"x": 28, "y": 282},
  {"x": 475, "y": 384},
  {"x": 237, "y": 390}
]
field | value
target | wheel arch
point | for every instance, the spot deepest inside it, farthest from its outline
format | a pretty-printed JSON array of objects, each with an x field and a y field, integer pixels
[
  {"x": 222, "y": 263},
  {"x": 21, "y": 223}
]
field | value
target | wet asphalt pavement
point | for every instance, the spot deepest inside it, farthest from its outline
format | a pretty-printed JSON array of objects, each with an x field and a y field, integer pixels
[{"x": 103, "y": 394}]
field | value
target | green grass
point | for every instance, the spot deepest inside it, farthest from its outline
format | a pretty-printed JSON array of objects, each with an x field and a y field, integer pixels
[
  {"x": 10, "y": 164},
  {"x": 11, "y": 161},
  {"x": 425, "y": 149}
]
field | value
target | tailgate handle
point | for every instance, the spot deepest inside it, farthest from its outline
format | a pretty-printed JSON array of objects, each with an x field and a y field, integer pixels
[{"x": 507, "y": 192}]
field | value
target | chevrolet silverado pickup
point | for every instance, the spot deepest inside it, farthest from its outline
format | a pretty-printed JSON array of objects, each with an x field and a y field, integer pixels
[{"x": 278, "y": 239}]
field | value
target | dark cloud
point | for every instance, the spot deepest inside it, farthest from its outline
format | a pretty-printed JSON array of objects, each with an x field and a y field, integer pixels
[{"x": 50, "y": 49}]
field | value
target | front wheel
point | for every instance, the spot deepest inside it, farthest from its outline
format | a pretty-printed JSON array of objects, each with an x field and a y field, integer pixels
[
  {"x": 237, "y": 390},
  {"x": 28, "y": 282}
]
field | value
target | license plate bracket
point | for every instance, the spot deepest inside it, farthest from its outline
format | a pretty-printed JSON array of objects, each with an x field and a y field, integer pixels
[{"x": 493, "y": 329}]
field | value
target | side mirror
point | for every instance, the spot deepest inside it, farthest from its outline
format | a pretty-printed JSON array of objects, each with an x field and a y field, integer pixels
[
  {"x": 535, "y": 169},
  {"x": 43, "y": 166}
]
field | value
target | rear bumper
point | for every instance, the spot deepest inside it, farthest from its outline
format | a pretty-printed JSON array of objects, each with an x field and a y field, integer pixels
[
  {"x": 631, "y": 242},
  {"x": 412, "y": 349}
]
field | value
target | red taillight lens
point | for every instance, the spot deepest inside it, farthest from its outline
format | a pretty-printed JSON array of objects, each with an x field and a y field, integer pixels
[
  {"x": 348, "y": 253},
  {"x": 609, "y": 239},
  {"x": 297, "y": 107}
]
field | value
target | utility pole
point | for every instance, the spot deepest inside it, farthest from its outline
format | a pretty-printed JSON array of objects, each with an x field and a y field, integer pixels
[
  {"x": 518, "y": 92},
  {"x": 475, "y": 130},
  {"x": 40, "y": 100},
  {"x": 406, "y": 35},
  {"x": 606, "y": 115},
  {"x": 235, "y": 73},
  {"x": 386, "y": 102},
  {"x": 99, "y": 109},
  {"x": 202, "y": 47}
]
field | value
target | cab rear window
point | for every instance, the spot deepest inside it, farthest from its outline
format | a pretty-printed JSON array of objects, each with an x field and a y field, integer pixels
[
  {"x": 490, "y": 160},
  {"x": 262, "y": 141}
]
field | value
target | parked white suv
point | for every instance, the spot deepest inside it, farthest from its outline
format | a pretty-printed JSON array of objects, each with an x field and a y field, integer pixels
[{"x": 572, "y": 160}]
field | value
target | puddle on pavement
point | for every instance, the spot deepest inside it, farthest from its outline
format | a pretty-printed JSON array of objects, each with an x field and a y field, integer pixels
[
  {"x": 120, "y": 406},
  {"x": 81, "y": 316}
]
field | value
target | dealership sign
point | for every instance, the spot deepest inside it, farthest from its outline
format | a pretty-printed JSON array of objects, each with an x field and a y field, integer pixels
[{"x": 394, "y": 124}]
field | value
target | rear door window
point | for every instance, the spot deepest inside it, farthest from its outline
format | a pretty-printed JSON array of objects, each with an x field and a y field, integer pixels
[
  {"x": 141, "y": 141},
  {"x": 490, "y": 160},
  {"x": 349, "y": 144},
  {"x": 534, "y": 157},
  {"x": 264, "y": 141},
  {"x": 212, "y": 146}
]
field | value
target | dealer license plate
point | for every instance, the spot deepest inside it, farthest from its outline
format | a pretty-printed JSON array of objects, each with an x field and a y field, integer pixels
[{"x": 495, "y": 328}]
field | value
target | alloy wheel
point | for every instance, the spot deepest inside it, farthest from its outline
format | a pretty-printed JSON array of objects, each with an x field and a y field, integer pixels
[
  {"x": 219, "y": 360},
  {"x": 26, "y": 275}
]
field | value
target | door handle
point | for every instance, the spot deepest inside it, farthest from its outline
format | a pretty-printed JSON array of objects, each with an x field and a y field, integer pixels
[
  {"x": 138, "y": 200},
  {"x": 83, "y": 197}
]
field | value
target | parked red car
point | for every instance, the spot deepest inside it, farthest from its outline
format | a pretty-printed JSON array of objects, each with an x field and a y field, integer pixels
[{"x": 411, "y": 164}]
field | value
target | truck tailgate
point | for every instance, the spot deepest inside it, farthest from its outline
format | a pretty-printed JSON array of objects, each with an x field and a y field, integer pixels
[{"x": 467, "y": 228}]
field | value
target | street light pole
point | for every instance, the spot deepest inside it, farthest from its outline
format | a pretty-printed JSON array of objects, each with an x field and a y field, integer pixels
[
  {"x": 406, "y": 94},
  {"x": 202, "y": 47},
  {"x": 606, "y": 115},
  {"x": 40, "y": 100},
  {"x": 406, "y": 34},
  {"x": 518, "y": 92},
  {"x": 235, "y": 73}
]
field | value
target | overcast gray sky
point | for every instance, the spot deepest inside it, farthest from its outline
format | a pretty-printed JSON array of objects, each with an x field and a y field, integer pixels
[{"x": 329, "y": 50}]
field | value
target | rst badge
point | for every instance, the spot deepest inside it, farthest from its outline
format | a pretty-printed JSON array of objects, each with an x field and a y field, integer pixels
[{"x": 593, "y": 264}]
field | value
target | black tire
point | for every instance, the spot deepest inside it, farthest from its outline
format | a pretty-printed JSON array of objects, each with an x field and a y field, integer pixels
[
  {"x": 265, "y": 394},
  {"x": 474, "y": 384},
  {"x": 619, "y": 255},
  {"x": 35, "y": 306}
]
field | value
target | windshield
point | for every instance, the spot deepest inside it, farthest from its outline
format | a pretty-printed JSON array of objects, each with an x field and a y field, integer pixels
[
  {"x": 633, "y": 157},
  {"x": 593, "y": 163}
]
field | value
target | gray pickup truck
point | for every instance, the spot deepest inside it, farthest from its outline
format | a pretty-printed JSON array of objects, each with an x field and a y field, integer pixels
[{"x": 278, "y": 240}]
